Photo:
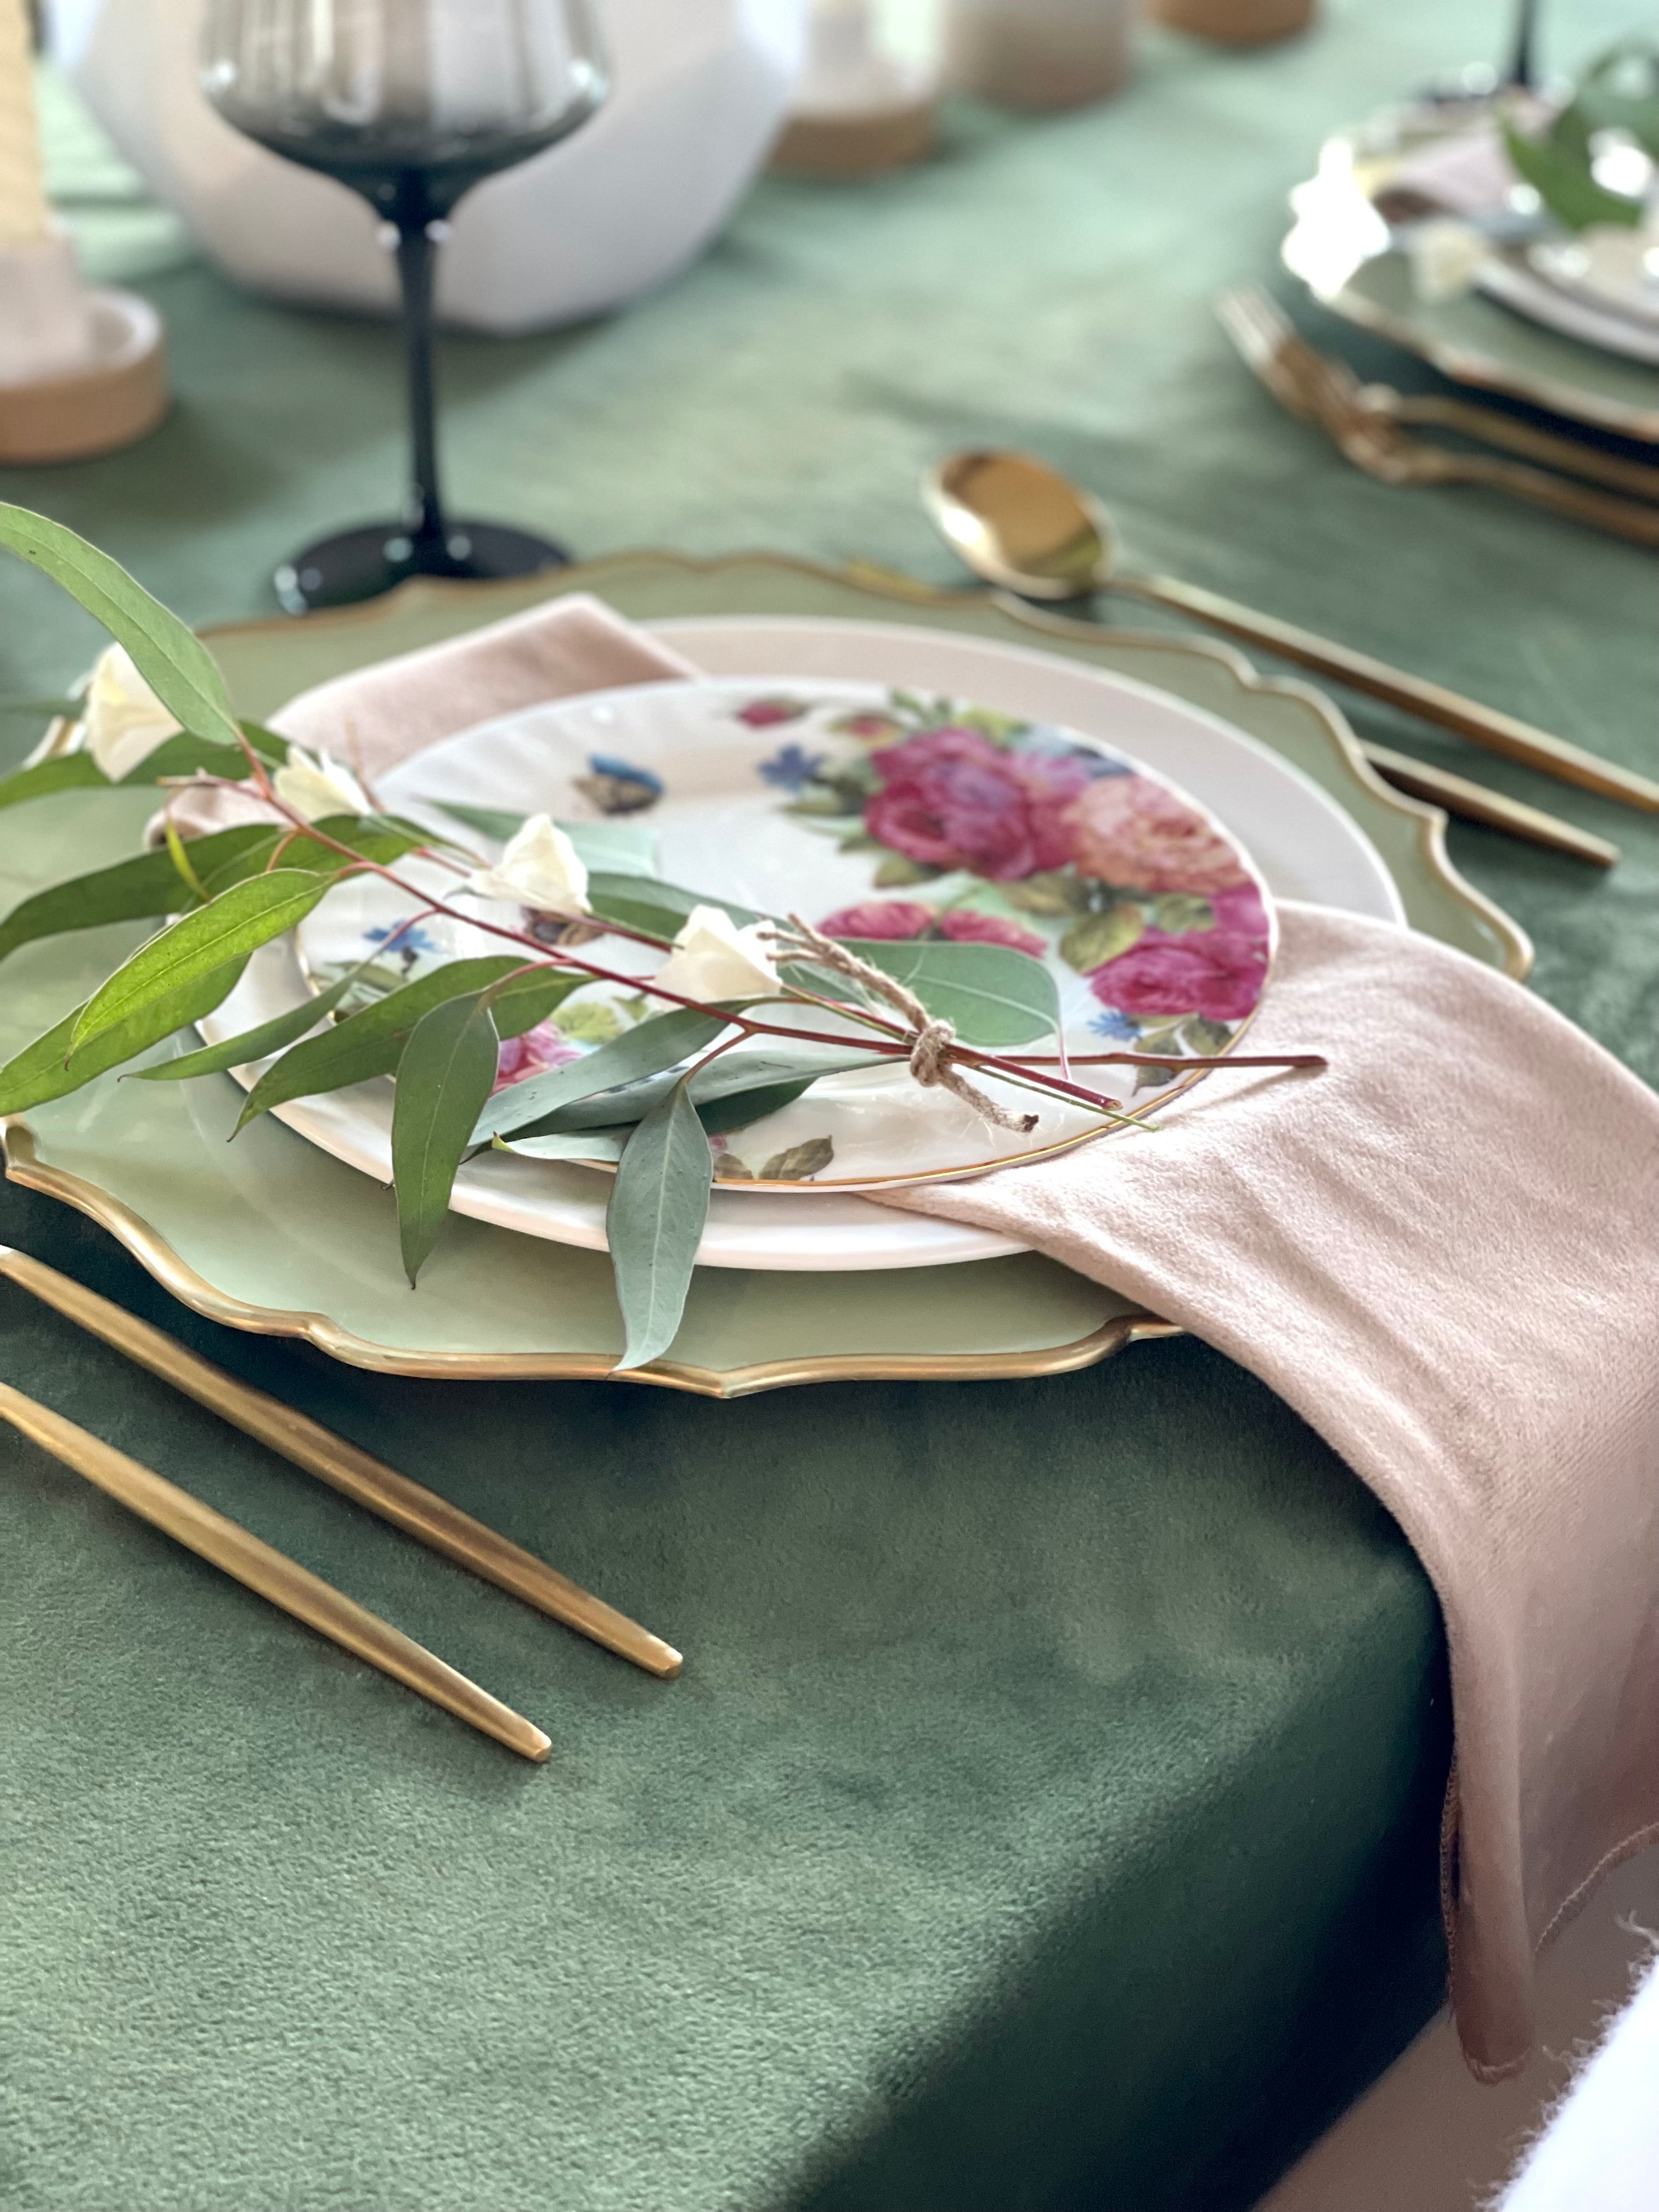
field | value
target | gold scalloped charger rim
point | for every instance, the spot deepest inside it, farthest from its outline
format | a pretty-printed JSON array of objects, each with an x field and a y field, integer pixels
[{"x": 152, "y": 1249}]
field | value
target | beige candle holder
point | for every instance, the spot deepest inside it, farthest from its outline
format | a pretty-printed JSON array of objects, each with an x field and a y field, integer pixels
[
  {"x": 116, "y": 395},
  {"x": 1234, "y": 23}
]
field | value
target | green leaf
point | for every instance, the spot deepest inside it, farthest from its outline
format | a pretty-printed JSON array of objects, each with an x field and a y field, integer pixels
[
  {"x": 654, "y": 1223},
  {"x": 40, "y": 1072},
  {"x": 799, "y": 1162},
  {"x": 270, "y": 744},
  {"x": 662, "y": 1041},
  {"x": 1205, "y": 1038},
  {"x": 172, "y": 659},
  {"x": 993, "y": 995},
  {"x": 443, "y": 1077},
  {"x": 740, "y": 1108},
  {"x": 370, "y": 1042},
  {"x": 625, "y": 848},
  {"x": 712, "y": 1081},
  {"x": 1097, "y": 938},
  {"x": 1051, "y": 892},
  {"x": 656, "y": 908},
  {"x": 139, "y": 889},
  {"x": 1563, "y": 182},
  {"x": 68, "y": 771},
  {"x": 255, "y": 1043},
  {"x": 1177, "y": 912},
  {"x": 230, "y": 928},
  {"x": 578, "y": 1145},
  {"x": 898, "y": 868}
]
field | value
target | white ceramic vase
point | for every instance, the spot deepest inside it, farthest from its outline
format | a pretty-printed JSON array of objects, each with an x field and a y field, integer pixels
[{"x": 699, "y": 90}]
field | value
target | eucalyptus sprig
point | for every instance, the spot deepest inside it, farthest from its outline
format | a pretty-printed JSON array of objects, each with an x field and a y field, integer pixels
[
  {"x": 651, "y": 1099},
  {"x": 1618, "y": 92}
]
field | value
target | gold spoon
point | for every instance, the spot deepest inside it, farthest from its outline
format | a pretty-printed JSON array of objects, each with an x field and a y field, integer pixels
[{"x": 1019, "y": 524}]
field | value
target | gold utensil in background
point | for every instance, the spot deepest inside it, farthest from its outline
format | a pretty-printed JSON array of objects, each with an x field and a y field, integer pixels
[
  {"x": 270, "y": 1573},
  {"x": 1366, "y": 424},
  {"x": 419, "y": 1512},
  {"x": 1265, "y": 337},
  {"x": 1019, "y": 524}
]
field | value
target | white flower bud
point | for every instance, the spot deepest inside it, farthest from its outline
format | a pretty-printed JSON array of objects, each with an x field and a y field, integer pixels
[
  {"x": 315, "y": 786},
  {"x": 540, "y": 869},
  {"x": 122, "y": 721},
  {"x": 714, "y": 960}
]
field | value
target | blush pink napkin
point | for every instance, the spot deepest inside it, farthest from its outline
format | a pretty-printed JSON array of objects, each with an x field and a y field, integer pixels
[{"x": 1444, "y": 1253}]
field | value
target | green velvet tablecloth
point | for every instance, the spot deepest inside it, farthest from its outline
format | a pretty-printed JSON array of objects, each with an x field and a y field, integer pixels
[{"x": 1047, "y": 1812}]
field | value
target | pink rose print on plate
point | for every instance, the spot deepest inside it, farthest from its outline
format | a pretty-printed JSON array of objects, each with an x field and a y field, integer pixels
[
  {"x": 950, "y": 799},
  {"x": 965, "y": 926},
  {"x": 880, "y": 918},
  {"x": 1130, "y": 831},
  {"x": 1217, "y": 973},
  {"x": 767, "y": 714},
  {"x": 906, "y": 918},
  {"x": 532, "y": 1053}
]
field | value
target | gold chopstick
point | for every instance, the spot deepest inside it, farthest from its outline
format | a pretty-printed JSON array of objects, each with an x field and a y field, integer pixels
[
  {"x": 1477, "y": 802},
  {"x": 261, "y": 1568},
  {"x": 367, "y": 1480}
]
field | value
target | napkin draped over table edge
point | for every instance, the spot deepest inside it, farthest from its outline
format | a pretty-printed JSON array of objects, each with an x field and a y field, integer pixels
[{"x": 1441, "y": 1253}]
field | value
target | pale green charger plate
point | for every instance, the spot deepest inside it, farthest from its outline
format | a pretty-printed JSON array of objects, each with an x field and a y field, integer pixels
[{"x": 273, "y": 1235}]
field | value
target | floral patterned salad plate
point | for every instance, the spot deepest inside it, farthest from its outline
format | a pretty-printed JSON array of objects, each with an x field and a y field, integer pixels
[{"x": 877, "y": 814}]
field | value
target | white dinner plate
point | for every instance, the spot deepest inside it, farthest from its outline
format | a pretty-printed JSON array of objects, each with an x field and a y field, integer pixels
[{"x": 1313, "y": 851}]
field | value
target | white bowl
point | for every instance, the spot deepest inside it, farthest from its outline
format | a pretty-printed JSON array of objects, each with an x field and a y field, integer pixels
[{"x": 699, "y": 88}]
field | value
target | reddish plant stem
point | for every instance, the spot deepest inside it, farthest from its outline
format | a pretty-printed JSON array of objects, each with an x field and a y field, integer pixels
[{"x": 1028, "y": 1072}]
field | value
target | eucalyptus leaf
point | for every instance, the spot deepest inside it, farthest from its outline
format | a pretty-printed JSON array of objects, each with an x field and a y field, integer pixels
[
  {"x": 658, "y": 909},
  {"x": 255, "y": 1043},
  {"x": 68, "y": 771},
  {"x": 443, "y": 1077},
  {"x": 230, "y": 928},
  {"x": 662, "y": 1041},
  {"x": 171, "y": 658},
  {"x": 139, "y": 889},
  {"x": 370, "y": 1042},
  {"x": 1563, "y": 182},
  {"x": 654, "y": 1223},
  {"x": 991, "y": 995},
  {"x": 624, "y": 848},
  {"x": 577, "y": 1145},
  {"x": 39, "y": 1071},
  {"x": 715, "y": 1079}
]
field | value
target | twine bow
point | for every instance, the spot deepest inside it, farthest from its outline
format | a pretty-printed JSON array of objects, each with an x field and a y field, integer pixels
[{"x": 933, "y": 1058}]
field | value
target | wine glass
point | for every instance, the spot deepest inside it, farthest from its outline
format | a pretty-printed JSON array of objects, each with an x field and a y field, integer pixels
[{"x": 411, "y": 103}]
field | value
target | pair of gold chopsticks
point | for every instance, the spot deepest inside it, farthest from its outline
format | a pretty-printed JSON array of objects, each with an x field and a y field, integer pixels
[{"x": 419, "y": 1512}]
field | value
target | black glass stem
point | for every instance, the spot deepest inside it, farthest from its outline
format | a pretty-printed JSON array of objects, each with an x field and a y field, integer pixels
[
  {"x": 1523, "y": 55},
  {"x": 411, "y": 103}
]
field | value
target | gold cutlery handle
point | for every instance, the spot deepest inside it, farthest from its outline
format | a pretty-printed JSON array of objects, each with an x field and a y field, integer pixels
[
  {"x": 1600, "y": 510},
  {"x": 1637, "y": 479},
  {"x": 357, "y": 1474},
  {"x": 270, "y": 1573},
  {"x": 1487, "y": 726},
  {"x": 1476, "y": 802}
]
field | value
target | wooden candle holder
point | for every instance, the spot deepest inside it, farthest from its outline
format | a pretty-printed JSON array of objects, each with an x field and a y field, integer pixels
[{"x": 118, "y": 395}]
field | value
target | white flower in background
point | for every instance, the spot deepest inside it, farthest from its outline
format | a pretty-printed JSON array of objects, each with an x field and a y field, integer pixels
[
  {"x": 122, "y": 720},
  {"x": 315, "y": 785},
  {"x": 713, "y": 960},
  {"x": 1445, "y": 257},
  {"x": 540, "y": 869}
]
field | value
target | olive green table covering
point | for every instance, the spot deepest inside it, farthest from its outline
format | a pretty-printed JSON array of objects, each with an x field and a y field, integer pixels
[{"x": 1046, "y": 1815}]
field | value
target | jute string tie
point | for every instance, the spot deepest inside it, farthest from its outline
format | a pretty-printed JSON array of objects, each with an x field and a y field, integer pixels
[{"x": 933, "y": 1058}]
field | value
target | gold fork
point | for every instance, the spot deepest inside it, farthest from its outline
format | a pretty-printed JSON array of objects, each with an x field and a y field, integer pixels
[{"x": 1366, "y": 424}]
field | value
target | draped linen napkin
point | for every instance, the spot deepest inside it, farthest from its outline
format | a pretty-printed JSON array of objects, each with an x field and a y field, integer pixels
[{"x": 1444, "y": 1252}]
